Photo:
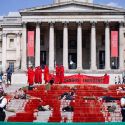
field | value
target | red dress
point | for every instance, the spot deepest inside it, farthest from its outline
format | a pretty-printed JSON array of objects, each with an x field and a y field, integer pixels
[
  {"x": 39, "y": 75},
  {"x": 57, "y": 80},
  {"x": 46, "y": 74},
  {"x": 61, "y": 74},
  {"x": 31, "y": 75},
  {"x": 36, "y": 75}
]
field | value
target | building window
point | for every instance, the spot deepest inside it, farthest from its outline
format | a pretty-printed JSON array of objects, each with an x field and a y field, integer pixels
[{"x": 11, "y": 44}]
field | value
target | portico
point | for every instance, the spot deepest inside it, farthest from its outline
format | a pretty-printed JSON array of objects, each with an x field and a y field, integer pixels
[
  {"x": 63, "y": 38},
  {"x": 73, "y": 33}
]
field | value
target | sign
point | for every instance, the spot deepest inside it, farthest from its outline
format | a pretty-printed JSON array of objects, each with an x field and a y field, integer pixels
[
  {"x": 114, "y": 43},
  {"x": 30, "y": 44},
  {"x": 84, "y": 79}
]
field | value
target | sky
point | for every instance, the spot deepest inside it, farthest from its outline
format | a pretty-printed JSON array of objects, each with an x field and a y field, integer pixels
[{"x": 16, "y": 5}]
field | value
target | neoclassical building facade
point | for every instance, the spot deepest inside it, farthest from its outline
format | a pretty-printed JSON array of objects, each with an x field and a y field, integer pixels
[{"x": 74, "y": 33}]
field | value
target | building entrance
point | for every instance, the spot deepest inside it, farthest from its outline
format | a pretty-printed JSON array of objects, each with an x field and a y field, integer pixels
[
  {"x": 101, "y": 59},
  {"x": 72, "y": 60},
  {"x": 42, "y": 58}
]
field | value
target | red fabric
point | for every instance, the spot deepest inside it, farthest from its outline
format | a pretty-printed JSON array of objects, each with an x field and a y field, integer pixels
[
  {"x": 36, "y": 75},
  {"x": 40, "y": 74},
  {"x": 31, "y": 75},
  {"x": 114, "y": 43},
  {"x": 57, "y": 79},
  {"x": 31, "y": 37},
  {"x": 61, "y": 74},
  {"x": 83, "y": 79},
  {"x": 46, "y": 74}
]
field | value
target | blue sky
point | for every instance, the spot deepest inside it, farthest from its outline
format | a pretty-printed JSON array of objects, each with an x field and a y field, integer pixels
[{"x": 16, "y": 5}]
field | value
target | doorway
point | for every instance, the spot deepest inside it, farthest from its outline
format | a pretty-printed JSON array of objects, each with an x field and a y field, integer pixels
[
  {"x": 72, "y": 60},
  {"x": 101, "y": 59},
  {"x": 42, "y": 58}
]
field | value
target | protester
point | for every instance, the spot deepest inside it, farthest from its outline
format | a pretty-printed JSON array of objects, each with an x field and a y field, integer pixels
[
  {"x": 106, "y": 78},
  {"x": 46, "y": 74},
  {"x": 69, "y": 95},
  {"x": 20, "y": 94},
  {"x": 3, "y": 103},
  {"x": 36, "y": 75},
  {"x": 39, "y": 75},
  {"x": 57, "y": 79},
  {"x": 9, "y": 74},
  {"x": 49, "y": 84},
  {"x": 61, "y": 74},
  {"x": 120, "y": 90},
  {"x": 123, "y": 108},
  {"x": 31, "y": 75}
]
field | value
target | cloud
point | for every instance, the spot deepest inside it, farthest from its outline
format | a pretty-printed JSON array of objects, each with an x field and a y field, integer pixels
[{"x": 114, "y": 4}]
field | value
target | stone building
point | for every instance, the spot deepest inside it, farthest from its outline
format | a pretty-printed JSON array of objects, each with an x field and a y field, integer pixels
[{"x": 72, "y": 33}]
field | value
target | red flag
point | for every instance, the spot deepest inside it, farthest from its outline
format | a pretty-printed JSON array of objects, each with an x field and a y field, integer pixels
[
  {"x": 31, "y": 43},
  {"x": 114, "y": 43}
]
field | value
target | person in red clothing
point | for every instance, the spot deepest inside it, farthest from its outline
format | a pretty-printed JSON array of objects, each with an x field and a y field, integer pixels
[
  {"x": 61, "y": 74},
  {"x": 31, "y": 75},
  {"x": 36, "y": 75},
  {"x": 57, "y": 80},
  {"x": 46, "y": 74},
  {"x": 39, "y": 75}
]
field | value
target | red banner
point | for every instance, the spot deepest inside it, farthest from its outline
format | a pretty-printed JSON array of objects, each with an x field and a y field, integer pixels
[
  {"x": 114, "y": 43},
  {"x": 83, "y": 79},
  {"x": 30, "y": 44}
]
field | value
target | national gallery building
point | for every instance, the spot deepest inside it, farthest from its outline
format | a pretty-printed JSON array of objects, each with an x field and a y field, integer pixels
[{"x": 78, "y": 34}]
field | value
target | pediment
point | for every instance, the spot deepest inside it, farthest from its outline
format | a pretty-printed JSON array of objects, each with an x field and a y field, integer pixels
[{"x": 73, "y": 7}]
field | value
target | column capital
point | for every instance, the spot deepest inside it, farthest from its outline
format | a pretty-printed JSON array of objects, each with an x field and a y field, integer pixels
[
  {"x": 65, "y": 24},
  {"x": 51, "y": 24},
  {"x": 93, "y": 23},
  {"x": 79, "y": 24},
  {"x": 38, "y": 23},
  {"x": 107, "y": 24},
  {"x": 121, "y": 24}
]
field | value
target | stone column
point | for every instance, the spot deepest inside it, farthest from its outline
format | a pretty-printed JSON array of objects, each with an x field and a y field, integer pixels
[
  {"x": 51, "y": 47},
  {"x": 24, "y": 45},
  {"x": 4, "y": 44},
  {"x": 93, "y": 47},
  {"x": 79, "y": 47},
  {"x": 107, "y": 47},
  {"x": 37, "y": 47},
  {"x": 65, "y": 46},
  {"x": 18, "y": 50},
  {"x": 121, "y": 46}
]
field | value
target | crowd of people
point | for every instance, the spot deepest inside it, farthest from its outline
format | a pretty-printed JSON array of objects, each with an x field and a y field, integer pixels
[
  {"x": 35, "y": 75},
  {"x": 119, "y": 80}
]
